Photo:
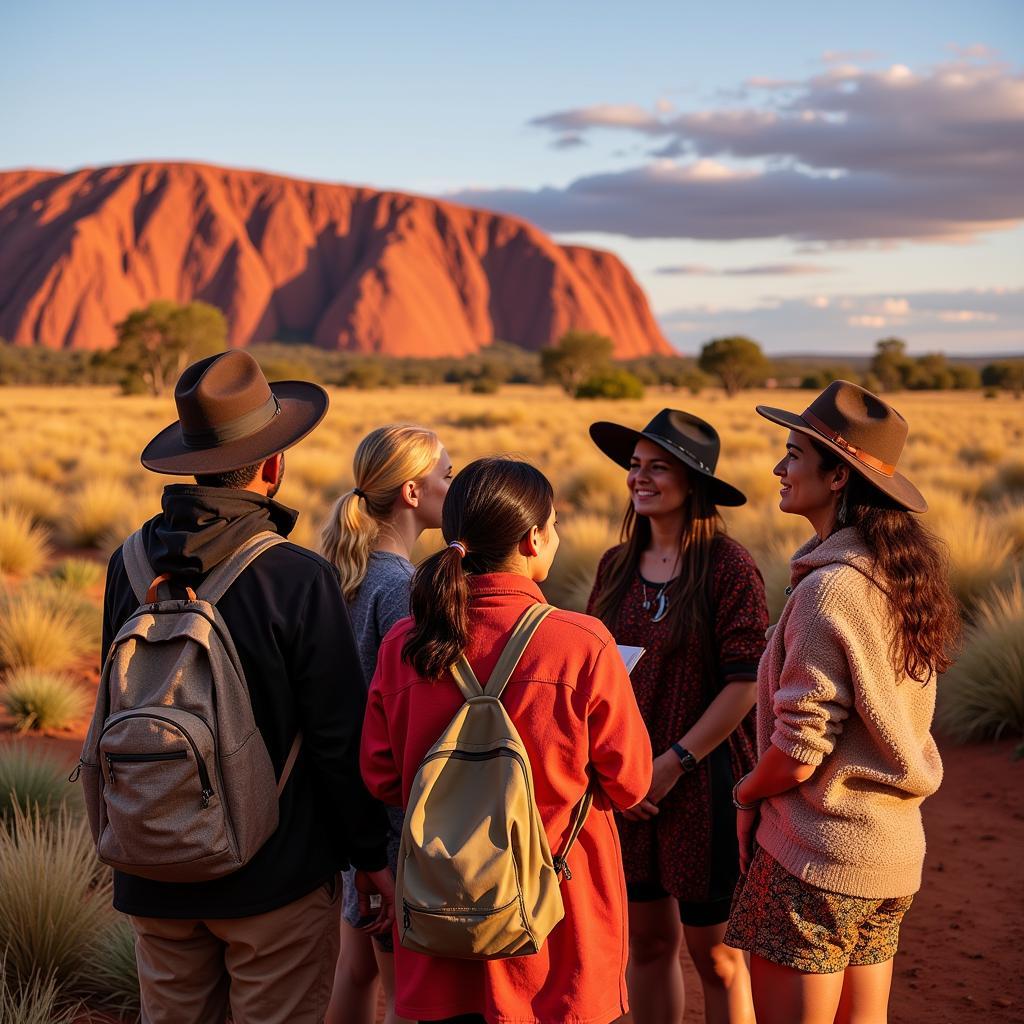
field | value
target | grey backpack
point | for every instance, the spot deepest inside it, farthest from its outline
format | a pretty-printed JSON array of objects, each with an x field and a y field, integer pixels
[{"x": 179, "y": 785}]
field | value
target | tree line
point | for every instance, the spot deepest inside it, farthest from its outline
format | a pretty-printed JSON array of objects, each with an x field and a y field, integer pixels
[{"x": 154, "y": 344}]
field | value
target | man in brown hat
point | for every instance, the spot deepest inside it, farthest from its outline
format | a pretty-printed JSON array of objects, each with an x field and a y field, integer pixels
[{"x": 263, "y": 940}]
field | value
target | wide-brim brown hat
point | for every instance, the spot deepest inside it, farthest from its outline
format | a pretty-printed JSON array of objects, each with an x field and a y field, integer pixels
[
  {"x": 865, "y": 432},
  {"x": 230, "y": 417},
  {"x": 692, "y": 441}
]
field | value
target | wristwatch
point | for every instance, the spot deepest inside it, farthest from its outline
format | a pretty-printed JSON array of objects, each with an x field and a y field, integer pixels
[{"x": 686, "y": 760}]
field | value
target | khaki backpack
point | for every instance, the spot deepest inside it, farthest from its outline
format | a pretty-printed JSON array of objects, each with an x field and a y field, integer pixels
[
  {"x": 179, "y": 786},
  {"x": 476, "y": 878}
]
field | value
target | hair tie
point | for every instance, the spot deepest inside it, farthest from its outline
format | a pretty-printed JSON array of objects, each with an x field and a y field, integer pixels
[
  {"x": 460, "y": 547},
  {"x": 358, "y": 493}
]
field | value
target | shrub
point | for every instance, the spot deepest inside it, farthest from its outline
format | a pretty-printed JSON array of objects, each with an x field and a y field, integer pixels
[
  {"x": 614, "y": 383},
  {"x": 79, "y": 573},
  {"x": 112, "y": 978},
  {"x": 35, "y": 1001},
  {"x": 23, "y": 544},
  {"x": 34, "y": 633},
  {"x": 42, "y": 700},
  {"x": 42, "y": 501},
  {"x": 30, "y": 780},
  {"x": 982, "y": 695},
  {"x": 54, "y": 897},
  {"x": 100, "y": 509}
]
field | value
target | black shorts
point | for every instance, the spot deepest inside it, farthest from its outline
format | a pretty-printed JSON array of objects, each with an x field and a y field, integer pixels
[{"x": 696, "y": 915}]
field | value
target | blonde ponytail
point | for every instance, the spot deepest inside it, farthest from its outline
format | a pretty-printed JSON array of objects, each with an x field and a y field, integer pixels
[{"x": 384, "y": 460}]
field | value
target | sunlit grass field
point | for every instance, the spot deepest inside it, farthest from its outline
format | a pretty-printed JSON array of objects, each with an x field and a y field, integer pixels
[{"x": 71, "y": 489}]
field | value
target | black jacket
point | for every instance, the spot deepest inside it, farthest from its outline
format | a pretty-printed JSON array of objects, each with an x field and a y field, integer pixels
[{"x": 292, "y": 632}]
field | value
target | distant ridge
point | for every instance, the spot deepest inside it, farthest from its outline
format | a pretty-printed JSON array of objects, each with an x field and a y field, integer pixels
[{"x": 341, "y": 266}]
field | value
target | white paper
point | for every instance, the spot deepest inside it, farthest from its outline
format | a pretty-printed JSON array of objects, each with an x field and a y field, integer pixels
[{"x": 630, "y": 655}]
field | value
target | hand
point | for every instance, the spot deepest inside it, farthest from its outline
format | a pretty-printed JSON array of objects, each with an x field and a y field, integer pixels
[
  {"x": 376, "y": 883},
  {"x": 642, "y": 811},
  {"x": 746, "y": 829}
]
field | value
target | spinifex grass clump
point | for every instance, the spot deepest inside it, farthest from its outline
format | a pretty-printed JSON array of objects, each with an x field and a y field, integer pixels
[
  {"x": 584, "y": 539},
  {"x": 78, "y": 573},
  {"x": 982, "y": 695},
  {"x": 35, "y": 633},
  {"x": 37, "y": 700},
  {"x": 29, "y": 780},
  {"x": 42, "y": 501},
  {"x": 23, "y": 544},
  {"x": 54, "y": 898},
  {"x": 33, "y": 1001},
  {"x": 101, "y": 509},
  {"x": 112, "y": 980}
]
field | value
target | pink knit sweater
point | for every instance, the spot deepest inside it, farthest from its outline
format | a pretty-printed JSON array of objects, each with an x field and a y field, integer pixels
[{"x": 828, "y": 695}]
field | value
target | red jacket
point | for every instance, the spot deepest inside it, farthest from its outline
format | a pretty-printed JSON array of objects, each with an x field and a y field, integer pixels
[{"x": 571, "y": 700}]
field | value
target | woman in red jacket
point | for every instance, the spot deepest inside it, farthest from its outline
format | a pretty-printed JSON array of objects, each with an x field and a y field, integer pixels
[{"x": 571, "y": 700}]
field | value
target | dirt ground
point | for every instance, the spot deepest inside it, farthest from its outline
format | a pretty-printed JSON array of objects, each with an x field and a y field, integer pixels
[{"x": 961, "y": 958}]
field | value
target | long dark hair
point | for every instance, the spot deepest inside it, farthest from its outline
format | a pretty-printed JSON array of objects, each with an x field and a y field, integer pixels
[
  {"x": 491, "y": 505},
  {"x": 911, "y": 565},
  {"x": 689, "y": 596}
]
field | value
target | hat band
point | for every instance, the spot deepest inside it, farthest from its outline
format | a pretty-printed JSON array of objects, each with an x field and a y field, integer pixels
[
  {"x": 686, "y": 452},
  {"x": 234, "y": 430},
  {"x": 851, "y": 449}
]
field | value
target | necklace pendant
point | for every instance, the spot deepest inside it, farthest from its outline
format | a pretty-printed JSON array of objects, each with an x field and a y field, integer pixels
[
  {"x": 662, "y": 609},
  {"x": 647, "y": 606}
]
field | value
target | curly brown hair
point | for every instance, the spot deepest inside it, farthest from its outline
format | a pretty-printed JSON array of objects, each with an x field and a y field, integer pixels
[{"x": 912, "y": 568}]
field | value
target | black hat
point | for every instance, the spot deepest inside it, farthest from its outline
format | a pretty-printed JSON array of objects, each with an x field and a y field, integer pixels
[
  {"x": 229, "y": 417},
  {"x": 693, "y": 441}
]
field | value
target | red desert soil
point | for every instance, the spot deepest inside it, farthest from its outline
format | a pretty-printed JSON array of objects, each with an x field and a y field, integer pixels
[
  {"x": 346, "y": 267},
  {"x": 961, "y": 958}
]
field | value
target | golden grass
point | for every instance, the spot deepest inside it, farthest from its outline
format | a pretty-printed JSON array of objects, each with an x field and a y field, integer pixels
[
  {"x": 982, "y": 695},
  {"x": 42, "y": 700},
  {"x": 24, "y": 546},
  {"x": 31, "y": 781},
  {"x": 42, "y": 501},
  {"x": 37, "y": 633},
  {"x": 34, "y": 1001}
]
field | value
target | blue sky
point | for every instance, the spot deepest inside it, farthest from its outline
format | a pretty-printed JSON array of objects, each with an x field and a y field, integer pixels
[{"x": 817, "y": 175}]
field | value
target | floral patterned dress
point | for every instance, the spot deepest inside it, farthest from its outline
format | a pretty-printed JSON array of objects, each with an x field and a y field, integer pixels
[{"x": 689, "y": 848}]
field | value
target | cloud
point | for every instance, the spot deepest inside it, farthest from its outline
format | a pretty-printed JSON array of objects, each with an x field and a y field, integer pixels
[
  {"x": 569, "y": 140},
  {"x": 976, "y": 321},
  {"x": 847, "y": 155},
  {"x": 758, "y": 270}
]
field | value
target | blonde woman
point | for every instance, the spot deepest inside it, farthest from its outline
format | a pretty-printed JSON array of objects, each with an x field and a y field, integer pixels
[{"x": 401, "y": 477}]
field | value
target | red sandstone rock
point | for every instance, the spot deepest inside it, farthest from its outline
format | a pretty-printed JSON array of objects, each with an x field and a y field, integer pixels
[{"x": 347, "y": 267}]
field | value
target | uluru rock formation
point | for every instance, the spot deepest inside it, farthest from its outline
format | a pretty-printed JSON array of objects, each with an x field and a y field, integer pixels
[{"x": 341, "y": 266}]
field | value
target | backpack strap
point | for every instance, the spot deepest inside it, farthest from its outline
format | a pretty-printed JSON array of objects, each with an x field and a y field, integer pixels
[
  {"x": 579, "y": 820},
  {"x": 216, "y": 584},
  {"x": 522, "y": 634},
  {"x": 136, "y": 563},
  {"x": 466, "y": 678},
  {"x": 289, "y": 763}
]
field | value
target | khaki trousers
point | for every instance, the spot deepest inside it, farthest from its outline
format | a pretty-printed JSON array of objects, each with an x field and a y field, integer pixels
[{"x": 274, "y": 968}]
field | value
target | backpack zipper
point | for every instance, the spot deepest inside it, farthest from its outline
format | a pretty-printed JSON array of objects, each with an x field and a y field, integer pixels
[
  {"x": 452, "y": 911},
  {"x": 204, "y": 776},
  {"x": 170, "y": 755}
]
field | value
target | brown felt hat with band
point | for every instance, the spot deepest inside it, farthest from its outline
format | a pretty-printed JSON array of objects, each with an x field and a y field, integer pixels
[
  {"x": 230, "y": 417},
  {"x": 865, "y": 432}
]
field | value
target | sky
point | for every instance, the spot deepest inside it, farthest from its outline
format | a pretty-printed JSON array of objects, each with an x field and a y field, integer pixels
[{"x": 816, "y": 176}]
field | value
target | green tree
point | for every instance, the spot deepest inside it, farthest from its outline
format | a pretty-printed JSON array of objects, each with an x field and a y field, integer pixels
[
  {"x": 891, "y": 365},
  {"x": 737, "y": 362},
  {"x": 577, "y": 356},
  {"x": 156, "y": 343},
  {"x": 611, "y": 382},
  {"x": 1007, "y": 374}
]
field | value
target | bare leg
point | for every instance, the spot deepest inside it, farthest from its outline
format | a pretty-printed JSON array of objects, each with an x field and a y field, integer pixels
[
  {"x": 865, "y": 998},
  {"x": 386, "y": 966},
  {"x": 784, "y": 995},
  {"x": 354, "y": 999},
  {"x": 723, "y": 975},
  {"x": 655, "y": 975}
]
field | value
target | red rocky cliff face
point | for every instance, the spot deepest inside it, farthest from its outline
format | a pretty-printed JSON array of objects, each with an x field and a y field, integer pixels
[{"x": 345, "y": 267}]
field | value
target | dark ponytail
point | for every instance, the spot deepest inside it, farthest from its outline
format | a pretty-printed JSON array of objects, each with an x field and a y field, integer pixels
[{"x": 491, "y": 505}]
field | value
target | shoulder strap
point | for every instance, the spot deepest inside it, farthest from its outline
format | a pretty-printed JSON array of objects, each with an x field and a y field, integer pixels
[
  {"x": 289, "y": 763},
  {"x": 515, "y": 648},
  {"x": 216, "y": 584},
  {"x": 522, "y": 633},
  {"x": 579, "y": 820},
  {"x": 136, "y": 563}
]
